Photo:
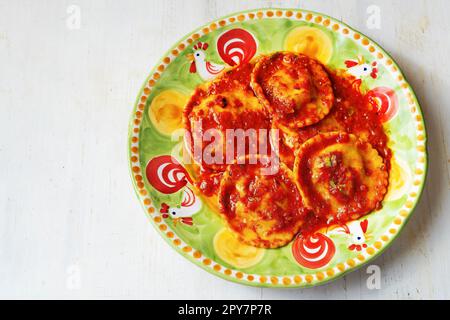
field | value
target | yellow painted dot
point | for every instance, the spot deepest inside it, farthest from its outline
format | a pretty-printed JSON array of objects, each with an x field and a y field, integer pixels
[
  {"x": 370, "y": 251},
  {"x": 326, "y": 22},
  {"x": 286, "y": 281},
  {"x": 297, "y": 279},
  {"x": 341, "y": 266},
  {"x": 259, "y": 14},
  {"x": 262, "y": 279},
  {"x": 377, "y": 244},
  {"x": 384, "y": 238},
  {"x": 380, "y": 55},
  {"x": 320, "y": 276},
  {"x": 421, "y": 148},
  {"x": 397, "y": 221},
  {"x": 318, "y": 19},
  {"x": 330, "y": 272},
  {"x": 419, "y": 171},
  {"x": 351, "y": 262},
  {"x": 361, "y": 257},
  {"x": 213, "y": 26},
  {"x": 409, "y": 204},
  {"x": 299, "y": 15},
  {"x": 309, "y": 278},
  {"x": 308, "y": 16},
  {"x": 274, "y": 280},
  {"x": 163, "y": 227},
  {"x": 393, "y": 231}
]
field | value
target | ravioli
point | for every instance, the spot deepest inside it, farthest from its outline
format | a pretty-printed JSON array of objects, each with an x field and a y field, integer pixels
[
  {"x": 265, "y": 211},
  {"x": 340, "y": 177},
  {"x": 227, "y": 102},
  {"x": 294, "y": 88}
]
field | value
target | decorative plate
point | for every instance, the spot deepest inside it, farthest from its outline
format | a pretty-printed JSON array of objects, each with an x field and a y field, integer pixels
[{"x": 198, "y": 233}]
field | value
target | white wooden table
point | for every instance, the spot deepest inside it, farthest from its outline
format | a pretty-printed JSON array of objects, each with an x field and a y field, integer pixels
[{"x": 70, "y": 223}]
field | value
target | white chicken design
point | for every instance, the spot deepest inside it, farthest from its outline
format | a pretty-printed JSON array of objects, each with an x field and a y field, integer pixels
[
  {"x": 360, "y": 69},
  {"x": 235, "y": 46},
  {"x": 168, "y": 176}
]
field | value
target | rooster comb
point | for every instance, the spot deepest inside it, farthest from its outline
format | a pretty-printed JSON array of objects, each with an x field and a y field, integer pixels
[{"x": 201, "y": 46}]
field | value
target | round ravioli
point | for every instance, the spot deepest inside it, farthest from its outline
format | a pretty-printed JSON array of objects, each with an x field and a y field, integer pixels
[
  {"x": 294, "y": 88},
  {"x": 340, "y": 177},
  {"x": 264, "y": 208},
  {"x": 225, "y": 104}
]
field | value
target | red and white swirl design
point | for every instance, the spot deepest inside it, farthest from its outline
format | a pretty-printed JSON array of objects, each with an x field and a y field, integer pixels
[
  {"x": 166, "y": 175},
  {"x": 236, "y": 46},
  {"x": 385, "y": 100},
  {"x": 313, "y": 251},
  {"x": 188, "y": 198}
]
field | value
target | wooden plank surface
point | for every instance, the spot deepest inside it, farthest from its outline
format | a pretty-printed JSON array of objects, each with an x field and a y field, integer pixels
[{"x": 70, "y": 224}]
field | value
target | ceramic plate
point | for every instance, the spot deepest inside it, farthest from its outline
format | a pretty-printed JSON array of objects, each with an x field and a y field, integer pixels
[{"x": 201, "y": 236}]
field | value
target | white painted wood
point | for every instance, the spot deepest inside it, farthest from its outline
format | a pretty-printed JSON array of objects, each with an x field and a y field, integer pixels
[{"x": 70, "y": 224}]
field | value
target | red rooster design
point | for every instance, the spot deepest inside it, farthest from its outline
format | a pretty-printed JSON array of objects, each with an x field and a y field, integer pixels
[
  {"x": 168, "y": 176},
  {"x": 235, "y": 46},
  {"x": 360, "y": 69}
]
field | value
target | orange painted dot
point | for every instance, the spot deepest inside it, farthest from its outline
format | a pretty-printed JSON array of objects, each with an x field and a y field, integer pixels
[
  {"x": 158, "y": 219},
  {"x": 389, "y": 62},
  {"x": 195, "y": 36},
  {"x": 151, "y": 82},
  {"x": 371, "y": 49},
  {"x": 400, "y": 78},
  {"x": 308, "y": 16},
  {"x": 151, "y": 210},
  {"x": 356, "y": 36},
  {"x": 146, "y": 91},
  {"x": 413, "y": 109},
  {"x": 262, "y": 279},
  {"x": 170, "y": 234},
  {"x": 416, "y": 182},
  {"x": 163, "y": 227},
  {"x": 147, "y": 201},
  {"x": 404, "y": 85},
  {"x": 222, "y": 23},
  {"x": 136, "y": 130},
  {"x": 330, "y": 272},
  {"x": 143, "y": 192},
  {"x": 299, "y": 15},
  {"x": 239, "y": 275},
  {"x": 361, "y": 257},
  {"x": 397, "y": 221},
  {"x": 217, "y": 267},
  {"x": 205, "y": 30},
  {"x": 134, "y": 159},
  {"x": 197, "y": 254},
  {"x": 141, "y": 106},
  {"x": 279, "y": 13},
  {"x": 384, "y": 238},
  {"x": 319, "y": 20},
  {"x": 394, "y": 68},
  {"x": 251, "y": 15},
  {"x": 309, "y": 278},
  {"x": 418, "y": 118},
  {"x": 135, "y": 169},
  {"x": 335, "y": 27},
  {"x": 297, "y": 279},
  {"x": 320, "y": 276},
  {"x": 177, "y": 242},
  {"x": 274, "y": 280},
  {"x": 181, "y": 46},
  {"x": 187, "y": 249},
  {"x": 213, "y": 26},
  {"x": 269, "y": 13},
  {"x": 420, "y": 137},
  {"x": 241, "y": 17},
  {"x": 138, "y": 114},
  {"x": 420, "y": 127},
  {"x": 380, "y": 55},
  {"x": 166, "y": 60},
  {"x": 143, "y": 99},
  {"x": 370, "y": 251},
  {"x": 345, "y": 31},
  {"x": 138, "y": 177},
  {"x": 227, "y": 272},
  {"x": 190, "y": 40},
  {"x": 351, "y": 262},
  {"x": 286, "y": 281},
  {"x": 289, "y": 13},
  {"x": 365, "y": 41},
  {"x": 156, "y": 76},
  {"x": 377, "y": 244},
  {"x": 207, "y": 262},
  {"x": 341, "y": 266},
  {"x": 134, "y": 139},
  {"x": 232, "y": 19},
  {"x": 161, "y": 68},
  {"x": 140, "y": 184},
  {"x": 250, "y": 278},
  {"x": 393, "y": 231},
  {"x": 134, "y": 149},
  {"x": 326, "y": 22}
]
